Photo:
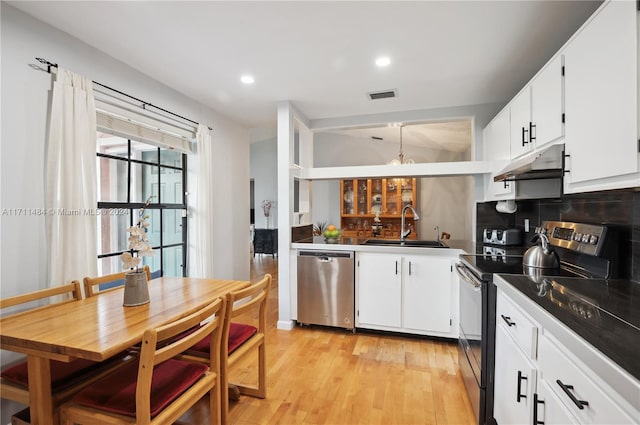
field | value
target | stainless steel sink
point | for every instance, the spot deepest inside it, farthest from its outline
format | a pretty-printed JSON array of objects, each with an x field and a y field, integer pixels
[{"x": 408, "y": 243}]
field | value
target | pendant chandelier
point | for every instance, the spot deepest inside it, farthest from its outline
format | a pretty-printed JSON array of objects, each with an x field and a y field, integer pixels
[{"x": 400, "y": 159}]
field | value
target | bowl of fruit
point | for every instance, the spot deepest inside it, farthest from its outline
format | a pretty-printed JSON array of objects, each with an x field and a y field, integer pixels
[{"x": 332, "y": 234}]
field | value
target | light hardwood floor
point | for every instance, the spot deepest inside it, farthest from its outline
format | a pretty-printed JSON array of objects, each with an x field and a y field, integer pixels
[{"x": 326, "y": 376}]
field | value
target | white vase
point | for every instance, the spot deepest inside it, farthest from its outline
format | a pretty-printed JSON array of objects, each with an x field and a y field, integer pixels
[{"x": 266, "y": 222}]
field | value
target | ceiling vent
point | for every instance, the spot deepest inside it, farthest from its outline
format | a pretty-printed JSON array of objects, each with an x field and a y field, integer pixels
[{"x": 382, "y": 94}]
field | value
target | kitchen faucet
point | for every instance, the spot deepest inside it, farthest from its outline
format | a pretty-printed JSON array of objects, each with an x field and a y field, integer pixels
[{"x": 416, "y": 217}]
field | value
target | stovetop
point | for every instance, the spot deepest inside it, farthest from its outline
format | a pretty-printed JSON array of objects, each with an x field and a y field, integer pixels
[{"x": 485, "y": 265}]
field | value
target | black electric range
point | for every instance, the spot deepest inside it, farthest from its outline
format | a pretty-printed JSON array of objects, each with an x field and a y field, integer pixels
[{"x": 585, "y": 251}]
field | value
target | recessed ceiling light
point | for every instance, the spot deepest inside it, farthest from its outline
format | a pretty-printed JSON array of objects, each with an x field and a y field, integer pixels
[
  {"x": 247, "y": 79},
  {"x": 383, "y": 61}
]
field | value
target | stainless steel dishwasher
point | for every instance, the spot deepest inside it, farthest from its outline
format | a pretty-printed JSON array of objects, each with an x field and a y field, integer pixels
[{"x": 326, "y": 286}]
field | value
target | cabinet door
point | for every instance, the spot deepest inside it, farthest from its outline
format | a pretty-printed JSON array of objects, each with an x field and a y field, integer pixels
[
  {"x": 346, "y": 197},
  {"x": 549, "y": 409},
  {"x": 379, "y": 289},
  {"x": 427, "y": 294},
  {"x": 515, "y": 382},
  {"x": 601, "y": 89},
  {"x": 497, "y": 138},
  {"x": 520, "y": 109},
  {"x": 546, "y": 104}
]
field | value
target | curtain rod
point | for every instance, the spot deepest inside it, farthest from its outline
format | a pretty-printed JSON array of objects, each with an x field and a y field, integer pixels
[{"x": 50, "y": 65}]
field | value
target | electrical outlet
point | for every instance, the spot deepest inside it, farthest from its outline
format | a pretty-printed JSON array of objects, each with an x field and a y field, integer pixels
[{"x": 526, "y": 225}]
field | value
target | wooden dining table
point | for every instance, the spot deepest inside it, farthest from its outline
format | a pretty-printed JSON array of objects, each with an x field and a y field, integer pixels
[{"x": 98, "y": 328}]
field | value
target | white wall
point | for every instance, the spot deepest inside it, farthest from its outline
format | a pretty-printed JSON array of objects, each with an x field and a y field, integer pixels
[{"x": 25, "y": 96}]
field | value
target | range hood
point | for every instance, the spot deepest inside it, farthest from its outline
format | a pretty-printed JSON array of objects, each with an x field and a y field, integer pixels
[{"x": 545, "y": 164}]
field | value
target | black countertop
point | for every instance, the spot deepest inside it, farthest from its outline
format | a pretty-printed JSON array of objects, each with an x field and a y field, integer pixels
[{"x": 606, "y": 313}]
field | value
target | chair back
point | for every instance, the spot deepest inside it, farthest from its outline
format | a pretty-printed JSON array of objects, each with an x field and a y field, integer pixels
[
  {"x": 71, "y": 291},
  {"x": 112, "y": 281},
  {"x": 155, "y": 350},
  {"x": 253, "y": 297}
]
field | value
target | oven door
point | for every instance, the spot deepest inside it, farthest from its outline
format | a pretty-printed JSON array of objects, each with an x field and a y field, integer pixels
[{"x": 471, "y": 320}]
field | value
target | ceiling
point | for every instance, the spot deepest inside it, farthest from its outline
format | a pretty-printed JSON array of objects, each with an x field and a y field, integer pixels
[
  {"x": 454, "y": 136},
  {"x": 320, "y": 55}
]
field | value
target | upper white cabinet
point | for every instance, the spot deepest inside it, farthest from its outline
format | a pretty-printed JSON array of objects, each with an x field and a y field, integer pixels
[
  {"x": 520, "y": 108},
  {"x": 601, "y": 101},
  {"x": 587, "y": 97},
  {"x": 536, "y": 112},
  {"x": 497, "y": 146},
  {"x": 546, "y": 105}
]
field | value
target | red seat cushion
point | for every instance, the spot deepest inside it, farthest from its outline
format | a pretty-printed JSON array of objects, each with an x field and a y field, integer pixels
[
  {"x": 61, "y": 373},
  {"x": 239, "y": 333},
  {"x": 116, "y": 393}
]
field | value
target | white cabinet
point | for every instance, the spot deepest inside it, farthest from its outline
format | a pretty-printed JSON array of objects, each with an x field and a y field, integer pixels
[
  {"x": 515, "y": 372},
  {"x": 405, "y": 293},
  {"x": 497, "y": 146},
  {"x": 427, "y": 294},
  {"x": 548, "y": 409},
  {"x": 536, "y": 112},
  {"x": 575, "y": 387},
  {"x": 560, "y": 387},
  {"x": 520, "y": 108},
  {"x": 546, "y": 104},
  {"x": 601, "y": 101},
  {"x": 515, "y": 381},
  {"x": 379, "y": 290}
]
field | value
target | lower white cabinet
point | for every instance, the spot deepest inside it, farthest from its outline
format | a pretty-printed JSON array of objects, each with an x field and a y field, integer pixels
[
  {"x": 379, "y": 290},
  {"x": 405, "y": 293},
  {"x": 426, "y": 304},
  {"x": 515, "y": 381},
  {"x": 548, "y": 409},
  {"x": 538, "y": 380},
  {"x": 575, "y": 386}
]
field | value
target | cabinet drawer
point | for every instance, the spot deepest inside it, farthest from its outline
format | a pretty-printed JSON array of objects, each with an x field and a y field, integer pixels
[
  {"x": 518, "y": 324},
  {"x": 569, "y": 380}
]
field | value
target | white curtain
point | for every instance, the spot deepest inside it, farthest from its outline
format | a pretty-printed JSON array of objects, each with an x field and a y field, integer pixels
[
  {"x": 71, "y": 180},
  {"x": 203, "y": 214}
]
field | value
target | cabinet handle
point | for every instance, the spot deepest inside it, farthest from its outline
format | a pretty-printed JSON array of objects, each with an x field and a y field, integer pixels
[
  {"x": 520, "y": 395},
  {"x": 536, "y": 401},
  {"x": 396, "y": 266},
  {"x": 532, "y": 126},
  {"x": 564, "y": 163},
  {"x": 506, "y": 184},
  {"x": 409, "y": 268},
  {"x": 524, "y": 131},
  {"x": 508, "y": 320},
  {"x": 566, "y": 388}
]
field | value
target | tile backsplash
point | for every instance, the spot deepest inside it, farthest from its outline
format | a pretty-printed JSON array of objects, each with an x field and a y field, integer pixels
[{"x": 618, "y": 209}]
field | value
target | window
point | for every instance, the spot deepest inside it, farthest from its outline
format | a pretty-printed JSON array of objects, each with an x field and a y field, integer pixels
[{"x": 129, "y": 172}]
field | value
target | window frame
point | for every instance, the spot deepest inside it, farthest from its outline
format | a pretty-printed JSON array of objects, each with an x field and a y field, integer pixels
[{"x": 160, "y": 206}]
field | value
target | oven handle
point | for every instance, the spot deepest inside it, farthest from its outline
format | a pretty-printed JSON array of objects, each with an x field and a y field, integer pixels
[{"x": 468, "y": 277}]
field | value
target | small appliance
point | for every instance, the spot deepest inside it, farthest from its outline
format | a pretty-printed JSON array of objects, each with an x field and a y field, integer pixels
[{"x": 505, "y": 237}]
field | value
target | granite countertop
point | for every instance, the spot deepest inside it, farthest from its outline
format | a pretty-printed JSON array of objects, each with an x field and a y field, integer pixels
[{"x": 606, "y": 313}]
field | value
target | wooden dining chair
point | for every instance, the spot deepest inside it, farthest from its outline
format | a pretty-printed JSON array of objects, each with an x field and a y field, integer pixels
[
  {"x": 159, "y": 388},
  {"x": 92, "y": 285},
  {"x": 241, "y": 337},
  {"x": 66, "y": 378}
]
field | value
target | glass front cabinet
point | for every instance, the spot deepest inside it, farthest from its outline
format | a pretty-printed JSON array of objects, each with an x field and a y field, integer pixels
[{"x": 362, "y": 200}]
